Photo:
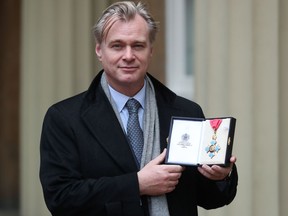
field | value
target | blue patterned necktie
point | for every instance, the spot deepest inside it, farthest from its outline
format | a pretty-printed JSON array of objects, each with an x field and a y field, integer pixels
[{"x": 134, "y": 131}]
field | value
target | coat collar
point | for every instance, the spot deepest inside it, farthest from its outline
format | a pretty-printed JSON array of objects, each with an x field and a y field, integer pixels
[{"x": 166, "y": 95}]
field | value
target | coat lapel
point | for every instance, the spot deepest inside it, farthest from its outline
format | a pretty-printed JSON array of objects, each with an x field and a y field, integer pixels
[{"x": 102, "y": 122}]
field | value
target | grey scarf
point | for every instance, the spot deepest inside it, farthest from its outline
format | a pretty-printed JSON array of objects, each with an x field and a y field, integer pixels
[{"x": 157, "y": 204}]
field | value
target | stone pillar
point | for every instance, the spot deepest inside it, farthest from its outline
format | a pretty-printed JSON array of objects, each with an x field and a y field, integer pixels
[
  {"x": 57, "y": 62},
  {"x": 283, "y": 105},
  {"x": 237, "y": 74},
  {"x": 265, "y": 76}
]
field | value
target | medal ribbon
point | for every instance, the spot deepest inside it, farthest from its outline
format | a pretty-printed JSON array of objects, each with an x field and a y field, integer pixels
[{"x": 215, "y": 123}]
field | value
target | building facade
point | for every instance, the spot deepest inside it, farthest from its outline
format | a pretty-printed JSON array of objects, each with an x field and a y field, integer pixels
[{"x": 229, "y": 56}]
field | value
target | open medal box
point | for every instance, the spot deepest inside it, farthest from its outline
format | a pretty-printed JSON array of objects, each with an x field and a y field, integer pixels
[{"x": 197, "y": 141}]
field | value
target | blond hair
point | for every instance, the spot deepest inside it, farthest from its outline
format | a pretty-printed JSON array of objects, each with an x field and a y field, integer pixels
[{"x": 124, "y": 11}]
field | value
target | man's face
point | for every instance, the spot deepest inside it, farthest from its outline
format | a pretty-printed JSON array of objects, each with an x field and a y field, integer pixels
[{"x": 125, "y": 54}]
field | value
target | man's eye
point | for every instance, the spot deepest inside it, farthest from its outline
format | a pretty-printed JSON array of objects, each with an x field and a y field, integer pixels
[
  {"x": 138, "y": 46},
  {"x": 116, "y": 46}
]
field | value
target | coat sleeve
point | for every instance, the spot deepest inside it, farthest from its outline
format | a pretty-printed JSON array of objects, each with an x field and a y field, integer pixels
[
  {"x": 66, "y": 190},
  {"x": 213, "y": 194}
]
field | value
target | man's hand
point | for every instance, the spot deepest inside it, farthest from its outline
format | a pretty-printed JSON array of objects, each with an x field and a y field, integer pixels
[
  {"x": 157, "y": 179},
  {"x": 217, "y": 172}
]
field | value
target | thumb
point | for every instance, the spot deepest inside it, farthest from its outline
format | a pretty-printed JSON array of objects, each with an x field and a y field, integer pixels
[{"x": 159, "y": 159}]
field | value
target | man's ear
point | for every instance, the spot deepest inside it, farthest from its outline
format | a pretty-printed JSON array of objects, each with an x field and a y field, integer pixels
[
  {"x": 98, "y": 51},
  {"x": 151, "y": 52}
]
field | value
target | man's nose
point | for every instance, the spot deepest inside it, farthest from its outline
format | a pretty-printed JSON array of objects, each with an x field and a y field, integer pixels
[{"x": 129, "y": 54}]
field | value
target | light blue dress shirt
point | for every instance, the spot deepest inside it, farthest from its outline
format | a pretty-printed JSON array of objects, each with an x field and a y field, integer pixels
[{"x": 120, "y": 101}]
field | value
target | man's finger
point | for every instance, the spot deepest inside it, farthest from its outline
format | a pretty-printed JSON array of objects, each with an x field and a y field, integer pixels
[{"x": 159, "y": 159}]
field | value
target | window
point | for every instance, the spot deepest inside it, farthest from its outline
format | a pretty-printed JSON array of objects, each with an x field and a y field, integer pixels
[{"x": 180, "y": 46}]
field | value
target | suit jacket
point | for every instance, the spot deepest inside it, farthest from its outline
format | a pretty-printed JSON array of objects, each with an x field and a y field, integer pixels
[{"x": 88, "y": 169}]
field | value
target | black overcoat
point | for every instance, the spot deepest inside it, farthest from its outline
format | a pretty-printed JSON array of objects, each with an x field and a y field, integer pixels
[{"x": 88, "y": 169}]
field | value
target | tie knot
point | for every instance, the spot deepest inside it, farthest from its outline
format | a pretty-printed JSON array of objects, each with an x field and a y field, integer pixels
[{"x": 132, "y": 105}]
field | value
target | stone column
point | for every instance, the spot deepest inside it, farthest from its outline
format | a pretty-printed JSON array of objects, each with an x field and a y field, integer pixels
[
  {"x": 283, "y": 105},
  {"x": 57, "y": 62},
  {"x": 237, "y": 74}
]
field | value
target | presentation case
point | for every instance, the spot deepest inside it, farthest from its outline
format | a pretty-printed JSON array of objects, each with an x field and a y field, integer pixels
[{"x": 195, "y": 141}]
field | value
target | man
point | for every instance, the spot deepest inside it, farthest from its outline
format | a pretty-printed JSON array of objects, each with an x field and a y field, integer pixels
[{"x": 88, "y": 162}]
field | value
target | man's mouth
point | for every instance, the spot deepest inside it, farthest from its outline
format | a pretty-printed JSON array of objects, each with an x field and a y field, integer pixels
[{"x": 128, "y": 68}]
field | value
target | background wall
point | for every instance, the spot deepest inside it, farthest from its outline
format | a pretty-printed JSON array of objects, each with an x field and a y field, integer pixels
[
  {"x": 241, "y": 47},
  {"x": 240, "y": 69},
  {"x": 9, "y": 104}
]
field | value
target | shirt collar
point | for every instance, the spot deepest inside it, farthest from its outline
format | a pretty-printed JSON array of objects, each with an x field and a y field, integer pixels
[{"x": 121, "y": 99}]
